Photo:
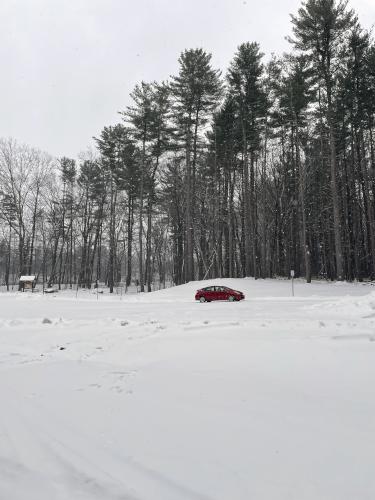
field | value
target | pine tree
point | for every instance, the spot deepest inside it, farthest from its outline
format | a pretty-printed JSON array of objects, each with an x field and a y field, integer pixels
[
  {"x": 294, "y": 93},
  {"x": 320, "y": 30},
  {"x": 140, "y": 116},
  {"x": 119, "y": 159},
  {"x": 196, "y": 91},
  {"x": 246, "y": 88},
  {"x": 148, "y": 117}
]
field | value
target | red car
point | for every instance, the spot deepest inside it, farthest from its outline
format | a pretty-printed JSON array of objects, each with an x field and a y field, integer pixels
[{"x": 218, "y": 293}]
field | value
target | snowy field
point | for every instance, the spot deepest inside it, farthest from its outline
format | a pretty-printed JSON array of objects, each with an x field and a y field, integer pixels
[{"x": 156, "y": 397}]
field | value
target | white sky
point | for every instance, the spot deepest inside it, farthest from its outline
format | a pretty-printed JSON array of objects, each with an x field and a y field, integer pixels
[{"x": 67, "y": 66}]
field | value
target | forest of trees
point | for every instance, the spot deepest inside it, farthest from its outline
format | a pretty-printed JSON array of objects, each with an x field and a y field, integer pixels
[{"x": 266, "y": 167}]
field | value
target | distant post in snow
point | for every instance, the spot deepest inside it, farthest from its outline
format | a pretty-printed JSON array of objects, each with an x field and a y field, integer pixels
[{"x": 292, "y": 276}]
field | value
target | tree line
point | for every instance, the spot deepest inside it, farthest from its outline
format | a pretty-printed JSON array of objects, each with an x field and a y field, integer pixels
[{"x": 265, "y": 168}]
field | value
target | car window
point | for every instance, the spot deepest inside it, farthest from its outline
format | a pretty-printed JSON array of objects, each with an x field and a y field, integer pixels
[
  {"x": 220, "y": 289},
  {"x": 210, "y": 289}
]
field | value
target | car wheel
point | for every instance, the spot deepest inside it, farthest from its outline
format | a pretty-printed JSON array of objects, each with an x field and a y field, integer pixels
[
  {"x": 231, "y": 298},
  {"x": 202, "y": 299}
]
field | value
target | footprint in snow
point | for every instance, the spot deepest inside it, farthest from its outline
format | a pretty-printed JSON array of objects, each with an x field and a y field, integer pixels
[
  {"x": 15, "y": 322},
  {"x": 116, "y": 388}
]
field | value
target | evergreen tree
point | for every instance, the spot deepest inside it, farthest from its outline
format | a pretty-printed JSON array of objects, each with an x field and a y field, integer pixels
[
  {"x": 320, "y": 30},
  {"x": 245, "y": 78},
  {"x": 119, "y": 159},
  {"x": 294, "y": 93},
  {"x": 148, "y": 120},
  {"x": 196, "y": 91}
]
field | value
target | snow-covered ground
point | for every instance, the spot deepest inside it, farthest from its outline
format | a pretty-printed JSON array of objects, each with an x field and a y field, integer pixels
[{"x": 156, "y": 397}]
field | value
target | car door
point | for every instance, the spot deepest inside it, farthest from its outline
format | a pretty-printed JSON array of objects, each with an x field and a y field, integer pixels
[
  {"x": 212, "y": 295},
  {"x": 209, "y": 293},
  {"x": 220, "y": 293}
]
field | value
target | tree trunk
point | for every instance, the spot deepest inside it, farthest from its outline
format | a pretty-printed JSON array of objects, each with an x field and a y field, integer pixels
[
  {"x": 189, "y": 249},
  {"x": 301, "y": 190}
]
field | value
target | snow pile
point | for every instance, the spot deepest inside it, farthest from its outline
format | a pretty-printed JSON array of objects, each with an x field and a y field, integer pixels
[{"x": 361, "y": 306}]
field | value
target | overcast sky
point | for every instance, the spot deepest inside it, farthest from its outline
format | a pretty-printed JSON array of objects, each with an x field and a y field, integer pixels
[{"x": 67, "y": 66}]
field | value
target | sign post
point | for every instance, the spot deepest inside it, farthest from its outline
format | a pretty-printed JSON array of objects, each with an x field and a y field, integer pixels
[{"x": 292, "y": 276}]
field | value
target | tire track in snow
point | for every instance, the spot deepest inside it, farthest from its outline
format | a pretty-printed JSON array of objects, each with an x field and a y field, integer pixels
[
  {"x": 75, "y": 459},
  {"x": 44, "y": 465}
]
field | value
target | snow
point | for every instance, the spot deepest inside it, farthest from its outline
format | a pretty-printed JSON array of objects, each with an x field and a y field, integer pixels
[{"x": 157, "y": 397}]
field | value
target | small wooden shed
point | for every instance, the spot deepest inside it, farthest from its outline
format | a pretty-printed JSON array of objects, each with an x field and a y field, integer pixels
[{"x": 27, "y": 282}]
